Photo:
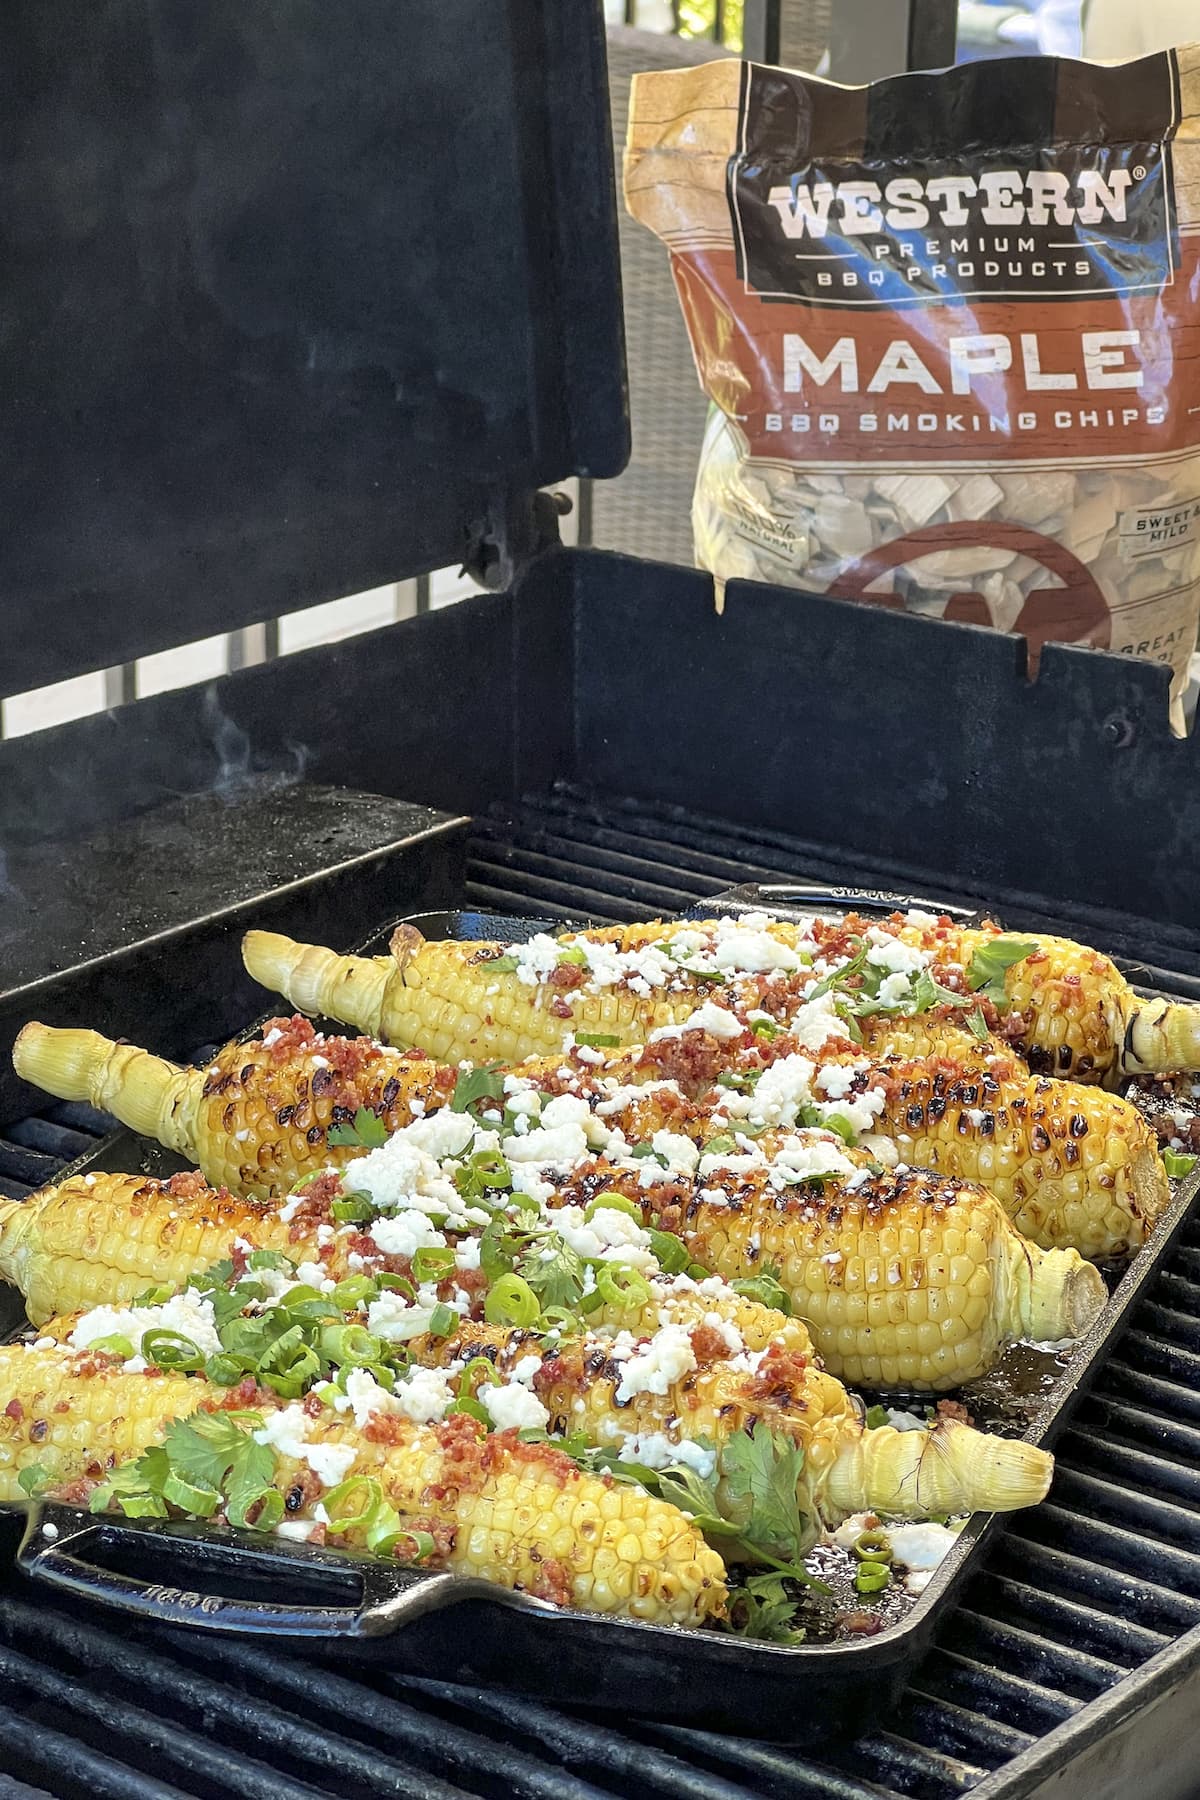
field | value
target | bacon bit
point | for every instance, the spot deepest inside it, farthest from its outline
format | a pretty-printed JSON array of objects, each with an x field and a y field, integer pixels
[
  {"x": 313, "y": 1405},
  {"x": 296, "y": 1033},
  {"x": 244, "y": 1397},
  {"x": 780, "y": 1374},
  {"x": 708, "y": 1345},
  {"x": 561, "y": 1008},
  {"x": 239, "y": 1256},
  {"x": 552, "y": 1582},
  {"x": 694, "y": 1059},
  {"x": 953, "y": 1409},
  {"x": 442, "y": 1531},
  {"x": 189, "y": 1184},
  {"x": 318, "y": 1535},
  {"x": 861, "y": 1624},
  {"x": 14, "y": 1410},
  {"x": 350, "y": 1056},
  {"x": 566, "y": 976},
  {"x": 75, "y": 1492}
]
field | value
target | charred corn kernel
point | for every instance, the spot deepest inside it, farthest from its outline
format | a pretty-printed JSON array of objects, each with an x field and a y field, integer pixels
[
  {"x": 103, "y": 1238},
  {"x": 1070, "y": 1164},
  {"x": 258, "y": 1117},
  {"x": 1067, "y": 1007},
  {"x": 508, "y": 1513},
  {"x": 71, "y": 1413},
  {"x": 789, "y": 1394},
  {"x": 904, "y": 1281}
]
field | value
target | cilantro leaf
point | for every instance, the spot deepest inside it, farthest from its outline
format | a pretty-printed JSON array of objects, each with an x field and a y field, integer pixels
[
  {"x": 367, "y": 1132},
  {"x": 765, "y": 1287},
  {"x": 556, "y": 1279},
  {"x": 764, "y": 1609},
  {"x": 475, "y": 1085},
  {"x": 991, "y": 962},
  {"x": 762, "y": 1470},
  {"x": 34, "y": 1479}
]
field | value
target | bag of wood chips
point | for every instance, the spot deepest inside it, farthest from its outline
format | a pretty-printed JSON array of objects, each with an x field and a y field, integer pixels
[{"x": 950, "y": 327}]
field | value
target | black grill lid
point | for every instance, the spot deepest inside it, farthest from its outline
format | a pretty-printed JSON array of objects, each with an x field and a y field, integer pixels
[{"x": 298, "y": 299}]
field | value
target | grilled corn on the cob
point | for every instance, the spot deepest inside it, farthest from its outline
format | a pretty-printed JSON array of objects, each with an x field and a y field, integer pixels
[
  {"x": 513, "y": 1514},
  {"x": 906, "y": 1280},
  {"x": 907, "y": 1474},
  {"x": 259, "y": 1116},
  {"x": 1071, "y": 1164},
  {"x": 1066, "y": 1006}
]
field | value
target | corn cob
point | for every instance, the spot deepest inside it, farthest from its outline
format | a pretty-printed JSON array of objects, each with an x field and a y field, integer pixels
[
  {"x": 512, "y": 1514},
  {"x": 1065, "y": 1006},
  {"x": 952, "y": 1469},
  {"x": 76, "y": 1415},
  {"x": 1071, "y": 1164},
  {"x": 904, "y": 1280},
  {"x": 909, "y": 1280},
  {"x": 98, "y": 1239},
  {"x": 258, "y": 1117}
]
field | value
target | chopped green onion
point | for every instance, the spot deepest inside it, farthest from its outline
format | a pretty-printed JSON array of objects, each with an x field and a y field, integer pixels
[
  {"x": 352, "y": 1209},
  {"x": 479, "y": 1371},
  {"x": 511, "y": 1301},
  {"x": 573, "y": 953},
  {"x": 158, "y": 1296},
  {"x": 765, "y": 1028},
  {"x": 619, "y": 1285},
  {"x": 597, "y": 1040},
  {"x": 499, "y": 965},
  {"x": 1177, "y": 1165},
  {"x": 396, "y": 1284},
  {"x": 226, "y": 1370},
  {"x": 670, "y": 1252},
  {"x": 136, "y": 1506},
  {"x": 840, "y": 1123},
  {"x": 354, "y": 1292},
  {"x": 171, "y": 1350},
  {"x": 876, "y": 1416},
  {"x": 432, "y": 1263},
  {"x": 442, "y": 1320},
  {"x": 351, "y": 1344},
  {"x": 473, "y": 1410},
  {"x": 114, "y": 1346},
  {"x": 203, "y": 1501},
  {"x": 422, "y": 1543},
  {"x": 698, "y": 1272},
  {"x": 872, "y": 1577},
  {"x": 872, "y": 1546},
  {"x": 615, "y": 1203},
  {"x": 270, "y": 1506},
  {"x": 721, "y": 1145},
  {"x": 339, "y": 1503}
]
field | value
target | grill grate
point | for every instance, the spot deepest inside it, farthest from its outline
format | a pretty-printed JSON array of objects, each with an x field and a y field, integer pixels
[{"x": 1075, "y": 1597}]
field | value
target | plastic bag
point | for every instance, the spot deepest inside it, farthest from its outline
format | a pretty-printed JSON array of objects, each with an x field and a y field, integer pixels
[{"x": 950, "y": 327}]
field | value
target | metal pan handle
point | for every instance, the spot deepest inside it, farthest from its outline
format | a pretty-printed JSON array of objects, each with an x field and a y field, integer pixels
[
  {"x": 823, "y": 893},
  {"x": 389, "y": 1597}
]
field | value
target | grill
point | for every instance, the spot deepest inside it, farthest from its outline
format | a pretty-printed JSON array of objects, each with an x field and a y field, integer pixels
[
  {"x": 1088, "y": 1609},
  {"x": 386, "y": 319}
]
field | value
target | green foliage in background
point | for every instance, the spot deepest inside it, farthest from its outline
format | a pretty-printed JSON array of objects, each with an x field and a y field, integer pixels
[{"x": 699, "y": 18}]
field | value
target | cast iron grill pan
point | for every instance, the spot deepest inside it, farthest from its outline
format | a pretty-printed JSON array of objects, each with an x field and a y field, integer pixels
[{"x": 228, "y": 1584}]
